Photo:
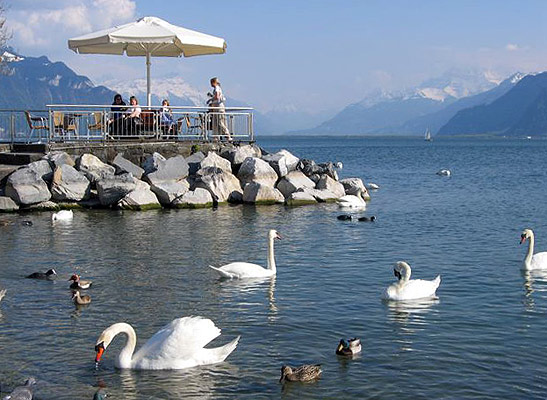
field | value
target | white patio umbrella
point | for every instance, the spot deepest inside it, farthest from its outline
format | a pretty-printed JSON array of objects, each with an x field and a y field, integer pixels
[{"x": 148, "y": 37}]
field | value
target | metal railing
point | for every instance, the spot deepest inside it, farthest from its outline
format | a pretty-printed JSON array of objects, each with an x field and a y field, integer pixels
[{"x": 87, "y": 123}]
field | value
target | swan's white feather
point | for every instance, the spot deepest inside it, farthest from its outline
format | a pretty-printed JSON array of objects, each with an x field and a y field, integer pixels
[
  {"x": 239, "y": 270},
  {"x": 539, "y": 261},
  {"x": 2, "y": 293},
  {"x": 413, "y": 289},
  {"x": 351, "y": 201},
  {"x": 62, "y": 215}
]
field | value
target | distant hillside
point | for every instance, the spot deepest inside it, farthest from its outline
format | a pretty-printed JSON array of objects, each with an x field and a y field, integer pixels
[{"x": 520, "y": 111}]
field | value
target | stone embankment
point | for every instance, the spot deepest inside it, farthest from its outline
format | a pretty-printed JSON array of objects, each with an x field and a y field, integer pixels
[{"x": 232, "y": 174}]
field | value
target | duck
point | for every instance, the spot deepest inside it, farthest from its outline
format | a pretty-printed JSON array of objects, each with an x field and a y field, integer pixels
[
  {"x": 63, "y": 215},
  {"x": 243, "y": 270},
  {"x": 444, "y": 172},
  {"x": 349, "y": 347},
  {"x": 49, "y": 275},
  {"x": 304, "y": 373},
  {"x": 26, "y": 223},
  {"x": 373, "y": 186},
  {"x": 372, "y": 218},
  {"x": 178, "y": 345},
  {"x": 80, "y": 300},
  {"x": 2, "y": 293},
  {"x": 339, "y": 165},
  {"x": 345, "y": 217},
  {"x": 22, "y": 392},
  {"x": 410, "y": 289},
  {"x": 352, "y": 201},
  {"x": 100, "y": 394},
  {"x": 532, "y": 261},
  {"x": 79, "y": 284}
]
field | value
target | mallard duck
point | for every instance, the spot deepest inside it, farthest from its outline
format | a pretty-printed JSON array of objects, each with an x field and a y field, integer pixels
[
  {"x": 349, "y": 347},
  {"x": 79, "y": 284},
  {"x": 26, "y": 223},
  {"x": 304, "y": 373},
  {"x": 50, "y": 274},
  {"x": 367, "y": 219},
  {"x": 80, "y": 300},
  {"x": 345, "y": 217}
]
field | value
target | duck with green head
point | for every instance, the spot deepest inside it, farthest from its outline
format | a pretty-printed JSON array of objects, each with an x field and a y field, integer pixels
[{"x": 349, "y": 347}]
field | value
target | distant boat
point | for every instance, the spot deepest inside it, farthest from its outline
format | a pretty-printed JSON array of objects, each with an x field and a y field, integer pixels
[
  {"x": 528, "y": 137},
  {"x": 428, "y": 135}
]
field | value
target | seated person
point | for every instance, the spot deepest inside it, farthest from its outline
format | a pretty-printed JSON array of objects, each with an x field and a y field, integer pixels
[
  {"x": 166, "y": 117},
  {"x": 133, "y": 122},
  {"x": 115, "y": 123}
]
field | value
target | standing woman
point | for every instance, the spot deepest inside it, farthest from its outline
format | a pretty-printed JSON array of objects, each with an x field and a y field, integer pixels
[{"x": 219, "y": 114}]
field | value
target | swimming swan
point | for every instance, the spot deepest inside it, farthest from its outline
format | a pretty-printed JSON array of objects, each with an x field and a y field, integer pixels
[
  {"x": 352, "y": 201},
  {"x": 407, "y": 289},
  {"x": 532, "y": 261},
  {"x": 179, "y": 344},
  {"x": 63, "y": 215},
  {"x": 242, "y": 270}
]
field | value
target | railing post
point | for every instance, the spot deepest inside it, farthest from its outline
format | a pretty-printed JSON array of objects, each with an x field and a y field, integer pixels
[{"x": 12, "y": 128}]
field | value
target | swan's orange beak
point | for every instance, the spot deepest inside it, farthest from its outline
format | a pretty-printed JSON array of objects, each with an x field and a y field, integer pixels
[
  {"x": 522, "y": 239},
  {"x": 100, "y": 350}
]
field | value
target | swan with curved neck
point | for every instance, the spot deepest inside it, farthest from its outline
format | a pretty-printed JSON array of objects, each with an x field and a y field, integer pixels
[
  {"x": 410, "y": 289},
  {"x": 178, "y": 345},
  {"x": 532, "y": 261},
  {"x": 241, "y": 270},
  {"x": 353, "y": 201}
]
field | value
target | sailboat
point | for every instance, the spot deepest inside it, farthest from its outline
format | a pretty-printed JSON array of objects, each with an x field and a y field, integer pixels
[{"x": 428, "y": 135}]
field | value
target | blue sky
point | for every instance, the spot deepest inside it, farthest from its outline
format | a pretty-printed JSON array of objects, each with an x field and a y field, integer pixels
[{"x": 309, "y": 55}]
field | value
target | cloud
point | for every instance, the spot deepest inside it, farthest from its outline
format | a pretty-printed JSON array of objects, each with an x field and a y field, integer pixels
[
  {"x": 44, "y": 27},
  {"x": 512, "y": 47}
]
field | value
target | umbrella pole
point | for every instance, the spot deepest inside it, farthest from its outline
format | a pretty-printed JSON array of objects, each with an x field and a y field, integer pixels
[{"x": 148, "y": 94}]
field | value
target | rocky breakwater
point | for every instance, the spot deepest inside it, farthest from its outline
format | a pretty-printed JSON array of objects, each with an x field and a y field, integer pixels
[{"x": 233, "y": 174}]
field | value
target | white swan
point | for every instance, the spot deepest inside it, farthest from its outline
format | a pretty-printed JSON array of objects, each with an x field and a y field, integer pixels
[
  {"x": 242, "y": 270},
  {"x": 407, "y": 289},
  {"x": 532, "y": 261},
  {"x": 2, "y": 293},
  {"x": 352, "y": 201},
  {"x": 63, "y": 215},
  {"x": 179, "y": 344}
]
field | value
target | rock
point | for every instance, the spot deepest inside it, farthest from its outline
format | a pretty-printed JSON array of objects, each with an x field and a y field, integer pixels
[
  {"x": 140, "y": 199},
  {"x": 69, "y": 184},
  {"x": 58, "y": 158},
  {"x": 293, "y": 181},
  {"x": 93, "y": 168},
  {"x": 299, "y": 199},
  {"x": 198, "y": 198},
  {"x": 173, "y": 169},
  {"x": 257, "y": 193},
  {"x": 194, "y": 162},
  {"x": 151, "y": 163},
  {"x": 326, "y": 182},
  {"x": 114, "y": 188},
  {"x": 256, "y": 170},
  {"x": 221, "y": 184},
  {"x": 44, "y": 206},
  {"x": 328, "y": 169},
  {"x": 170, "y": 190},
  {"x": 237, "y": 154},
  {"x": 214, "y": 160},
  {"x": 42, "y": 168},
  {"x": 352, "y": 186},
  {"x": 315, "y": 178},
  {"x": 123, "y": 165},
  {"x": 282, "y": 162},
  {"x": 7, "y": 204},
  {"x": 308, "y": 167},
  {"x": 25, "y": 186},
  {"x": 321, "y": 195}
]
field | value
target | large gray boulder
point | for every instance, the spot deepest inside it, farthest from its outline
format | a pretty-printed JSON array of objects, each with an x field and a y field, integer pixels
[
  {"x": 198, "y": 198},
  {"x": 309, "y": 168},
  {"x": 42, "y": 168},
  {"x": 353, "y": 185},
  {"x": 7, "y": 204},
  {"x": 69, "y": 184},
  {"x": 256, "y": 170},
  {"x": 170, "y": 190},
  {"x": 214, "y": 160},
  {"x": 151, "y": 162},
  {"x": 257, "y": 193},
  {"x": 222, "y": 185},
  {"x": 194, "y": 161},
  {"x": 326, "y": 182},
  {"x": 293, "y": 181},
  {"x": 142, "y": 198},
  {"x": 25, "y": 186},
  {"x": 282, "y": 162},
  {"x": 237, "y": 154},
  {"x": 300, "y": 199},
  {"x": 321, "y": 195},
  {"x": 123, "y": 165},
  {"x": 114, "y": 188},
  {"x": 173, "y": 169},
  {"x": 93, "y": 168},
  {"x": 58, "y": 158}
]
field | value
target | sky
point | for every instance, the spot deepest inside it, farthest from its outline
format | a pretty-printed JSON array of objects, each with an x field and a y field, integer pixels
[{"x": 313, "y": 56}]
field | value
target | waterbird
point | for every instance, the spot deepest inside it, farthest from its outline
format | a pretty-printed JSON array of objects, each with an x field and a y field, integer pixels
[
  {"x": 444, "y": 172},
  {"x": 178, "y": 345},
  {"x": 80, "y": 300},
  {"x": 349, "y": 347},
  {"x": 2, "y": 293},
  {"x": 339, "y": 165},
  {"x": 26, "y": 223},
  {"x": 373, "y": 186},
  {"x": 372, "y": 218},
  {"x": 50, "y": 274},
  {"x": 241, "y": 270},
  {"x": 304, "y": 373},
  {"x": 532, "y": 261},
  {"x": 345, "y": 217},
  {"x": 352, "y": 201},
  {"x": 410, "y": 289},
  {"x": 22, "y": 392},
  {"x": 78, "y": 283},
  {"x": 63, "y": 215}
]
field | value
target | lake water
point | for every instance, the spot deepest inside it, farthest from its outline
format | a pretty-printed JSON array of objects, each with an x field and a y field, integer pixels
[{"x": 483, "y": 338}]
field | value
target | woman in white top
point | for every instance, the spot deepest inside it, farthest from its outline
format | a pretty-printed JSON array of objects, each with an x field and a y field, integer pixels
[
  {"x": 133, "y": 120},
  {"x": 218, "y": 110}
]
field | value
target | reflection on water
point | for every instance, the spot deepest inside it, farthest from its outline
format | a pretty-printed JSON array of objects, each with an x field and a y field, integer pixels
[
  {"x": 534, "y": 281},
  {"x": 236, "y": 287}
]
